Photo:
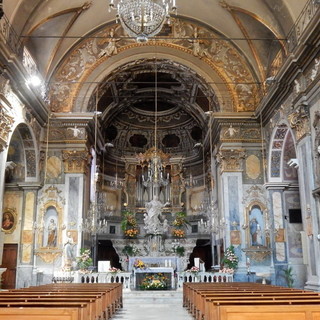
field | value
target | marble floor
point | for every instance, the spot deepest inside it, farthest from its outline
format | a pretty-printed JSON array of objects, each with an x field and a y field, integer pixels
[{"x": 152, "y": 306}]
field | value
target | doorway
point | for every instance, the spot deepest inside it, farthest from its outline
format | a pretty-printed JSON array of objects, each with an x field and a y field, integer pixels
[
  {"x": 202, "y": 250},
  {"x": 9, "y": 261},
  {"x": 106, "y": 252}
]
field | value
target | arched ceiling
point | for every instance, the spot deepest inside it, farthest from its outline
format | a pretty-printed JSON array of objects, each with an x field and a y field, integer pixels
[{"x": 215, "y": 56}]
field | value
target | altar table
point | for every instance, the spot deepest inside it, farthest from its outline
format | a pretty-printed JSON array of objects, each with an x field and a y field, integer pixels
[{"x": 140, "y": 274}]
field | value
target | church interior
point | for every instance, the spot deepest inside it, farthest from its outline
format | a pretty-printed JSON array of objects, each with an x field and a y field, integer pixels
[{"x": 170, "y": 146}]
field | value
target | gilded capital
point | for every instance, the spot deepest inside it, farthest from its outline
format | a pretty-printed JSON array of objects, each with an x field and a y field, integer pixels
[
  {"x": 299, "y": 121},
  {"x": 231, "y": 160},
  {"x": 75, "y": 161}
]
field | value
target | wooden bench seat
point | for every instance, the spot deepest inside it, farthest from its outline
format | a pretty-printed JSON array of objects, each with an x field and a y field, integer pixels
[
  {"x": 220, "y": 301},
  {"x": 92, "y": 301}
]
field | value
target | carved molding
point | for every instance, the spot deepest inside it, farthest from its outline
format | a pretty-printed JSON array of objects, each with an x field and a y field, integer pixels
[
  {"x": 221, "y": 56},
  {"x": 231, "y": 160},
  {"x": 299, "y": 121},
  {"x": 48, "y": 255},
  {"x": 75, "y": 161},
  {"x": 6, "y": 122}
]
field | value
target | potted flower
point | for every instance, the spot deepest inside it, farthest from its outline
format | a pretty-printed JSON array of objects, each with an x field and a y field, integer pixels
[
  {"x": 230, "y": 260},
  {"x": 84, "y": 261}
]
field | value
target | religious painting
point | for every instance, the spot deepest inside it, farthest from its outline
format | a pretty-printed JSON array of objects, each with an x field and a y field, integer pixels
[
  {"x": 279, "y": 235},
  {"x": 235, "y": 237},
  {"x": 9, "y": 221}
]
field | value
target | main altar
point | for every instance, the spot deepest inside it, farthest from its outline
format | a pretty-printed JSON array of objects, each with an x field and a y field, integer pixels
[{"x": 152, "y": 266}]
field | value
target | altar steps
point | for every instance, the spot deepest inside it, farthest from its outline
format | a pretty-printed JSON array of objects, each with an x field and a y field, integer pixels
[
  {"x": 151, "y": 297},
  {"x": 152, "y": 305}
]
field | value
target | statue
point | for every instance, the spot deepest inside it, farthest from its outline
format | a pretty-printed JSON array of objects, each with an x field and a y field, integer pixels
[
  {"x": 52, "y": 234},
  {"x": 69, "y": 249},
  {"x": 151, "y": 218}
]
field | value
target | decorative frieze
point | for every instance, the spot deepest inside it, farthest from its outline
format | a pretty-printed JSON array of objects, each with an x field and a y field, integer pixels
[{"x": 75, "y": 161}]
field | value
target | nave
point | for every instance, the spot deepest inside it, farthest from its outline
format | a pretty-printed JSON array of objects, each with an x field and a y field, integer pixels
[{"x": 155, "y": 305}]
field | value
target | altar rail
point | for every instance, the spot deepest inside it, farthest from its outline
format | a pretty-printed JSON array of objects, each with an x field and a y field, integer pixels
[
  {"x": 127, "y": 278},
  {"x": 203, "y": 277}
]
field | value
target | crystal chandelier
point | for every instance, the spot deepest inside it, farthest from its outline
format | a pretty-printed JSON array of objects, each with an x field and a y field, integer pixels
[{"x": 143, "y": 18}]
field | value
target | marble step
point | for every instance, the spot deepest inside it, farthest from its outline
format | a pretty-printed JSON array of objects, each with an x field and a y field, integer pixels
[{"x": 152, "y": 297}]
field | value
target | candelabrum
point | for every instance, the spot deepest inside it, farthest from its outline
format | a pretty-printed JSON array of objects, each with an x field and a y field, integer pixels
[
  {"x": 94, "y": 224},
  {"x": 212, "y": 222}
]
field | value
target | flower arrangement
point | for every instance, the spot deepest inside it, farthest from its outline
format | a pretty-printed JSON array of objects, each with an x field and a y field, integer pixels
[
  {"x": 154, "y": 282},
  {"x": 131, "y": 233},
  {"x": 114, "y": 270},
  {"x": 178, "y": 233},
  {"x": 179, "y": 224},
  {"x": 193, "y": 269},
  {"x": 139, "y": 264},
  {"x": 230, "y": 260},
  {"x": 129, "y": 224},
  {"x": 226, "y": 270},
  {"x": 84, "y": 261}
]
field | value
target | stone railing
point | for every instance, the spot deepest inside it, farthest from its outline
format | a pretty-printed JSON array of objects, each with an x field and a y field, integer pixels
[
  {"x": 127, "y": 278},
  {"x": 203, "y": 277}
]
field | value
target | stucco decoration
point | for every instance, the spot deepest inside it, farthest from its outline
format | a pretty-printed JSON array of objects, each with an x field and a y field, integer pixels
[{"x": 221, "y": 56}]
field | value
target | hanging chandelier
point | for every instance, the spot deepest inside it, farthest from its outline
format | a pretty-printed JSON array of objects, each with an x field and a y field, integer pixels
[{"x": 143, "y": 18}]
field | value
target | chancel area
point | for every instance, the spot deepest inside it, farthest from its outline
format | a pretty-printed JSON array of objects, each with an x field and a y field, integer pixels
[{"x": 160, "y": 145}]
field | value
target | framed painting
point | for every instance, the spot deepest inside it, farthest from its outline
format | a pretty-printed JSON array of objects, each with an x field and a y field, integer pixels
[{"x": 9, "y": 220}]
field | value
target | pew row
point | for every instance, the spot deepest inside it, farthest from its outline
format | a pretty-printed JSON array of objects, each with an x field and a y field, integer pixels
[
  {"x": 211, "y": 301},
  {"x": 69, "y": 301}
]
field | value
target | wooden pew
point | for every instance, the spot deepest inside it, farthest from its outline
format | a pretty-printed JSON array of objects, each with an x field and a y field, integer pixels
[
  {"x": 92, "y": 301},
  {"x": 210, "y": 301}
]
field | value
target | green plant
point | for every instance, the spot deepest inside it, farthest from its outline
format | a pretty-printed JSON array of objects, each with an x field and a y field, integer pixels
[
  {"x": 288, "y": 275},
  {"x": 130, "y": 250},
  {"x": 180, "y": 251}
]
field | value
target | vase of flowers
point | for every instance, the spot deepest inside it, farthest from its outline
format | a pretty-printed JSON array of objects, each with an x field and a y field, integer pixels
[
  {"x": 139, "y": 264},
  {"x": 154, "y": 282},
  {"x": 230, "y": 260},
  {"x": 194, "y": 270},
  {"x": 84, "y": 261}
]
